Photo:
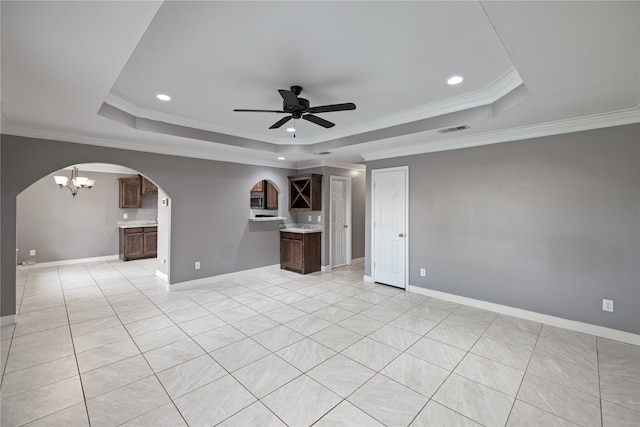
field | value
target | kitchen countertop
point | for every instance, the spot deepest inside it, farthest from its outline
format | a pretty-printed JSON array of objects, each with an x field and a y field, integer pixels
[
  {"x": 138, "y": 223},
  {"x": 302, "y": 228}
]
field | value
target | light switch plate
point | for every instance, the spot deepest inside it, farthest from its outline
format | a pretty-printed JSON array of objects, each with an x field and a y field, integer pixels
[
  {"x": 607, "y": 305},
  {"x": 125, "y": 216},
  {"x": 32, "y": 252}
]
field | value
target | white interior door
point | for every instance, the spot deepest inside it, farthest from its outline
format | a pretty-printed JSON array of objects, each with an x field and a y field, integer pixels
[
  {"x": 340, "y": 221},
  {"x": 389, "y": 206}
]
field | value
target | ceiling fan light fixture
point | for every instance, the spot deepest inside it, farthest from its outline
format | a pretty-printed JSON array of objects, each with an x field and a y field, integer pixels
[
  {"x": 291, "y": 129},
  {"x": 282, "y": 158},
  {"x": 454, "y": 80},
  {"x": 163, "y": 97}
]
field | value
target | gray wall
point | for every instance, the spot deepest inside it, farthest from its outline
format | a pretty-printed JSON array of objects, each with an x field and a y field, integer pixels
[
  {"x": 61, "y": 227},
  {"x": 209, "y": 206},
  {"x": 550, "y": 225},
  {"x": 358, "y": 186}
]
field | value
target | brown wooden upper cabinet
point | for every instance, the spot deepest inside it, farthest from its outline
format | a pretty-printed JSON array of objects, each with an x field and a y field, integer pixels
[
  {"x": 148, "y": 187},
  {"x": 259, "y": 187},
  {"x": 305, "y": 192},
  {"x": 130, "y": 193},
  {"x": 268, "y": 192},
  {"x": 132, "y": 189}
]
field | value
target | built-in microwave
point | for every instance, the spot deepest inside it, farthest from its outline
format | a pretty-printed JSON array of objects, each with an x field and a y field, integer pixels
[{"x": 257, "y": 202}]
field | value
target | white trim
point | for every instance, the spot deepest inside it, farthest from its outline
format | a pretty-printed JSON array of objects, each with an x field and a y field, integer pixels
[
  {"x": 213, "y": 279},
  {"x": 347, "y": 215},
  {"x": 314, "y": 163},
  {"x": 367, "y": 279},
  {"x": 405, "y": 169},
  {"x": 326, "y": 268},
  {"x": 572, "y": 325},
  {"x": 8, "y": 320},
  {"x": 357, "y": 261},
  {"x": 162, "y": 275},
  {"x": 69, "y": 262},
  {"x": 596, "y": 121}
]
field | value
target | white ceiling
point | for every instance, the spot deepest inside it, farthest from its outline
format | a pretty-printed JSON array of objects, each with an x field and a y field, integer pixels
[{"x": 89, "y": 72}]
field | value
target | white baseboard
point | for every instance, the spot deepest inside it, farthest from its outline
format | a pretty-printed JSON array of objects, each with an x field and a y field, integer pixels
[
  {"x": 367, "y": 279},
  {"x": 69, "y": 262},
  {"x": 326, "y": 268},
  {"x": 357, "y": 261},
  {"x": 218, "y": 278},
  {"x": 573, "y": 325},
  {"x": 8, "y": 320},
  {"x": 162, "y": 275}
]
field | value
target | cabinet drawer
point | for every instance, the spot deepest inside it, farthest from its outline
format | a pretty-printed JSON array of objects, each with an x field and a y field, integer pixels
[
  {"x": 133, "y": 230},
  {"x": 291, "y": 236},
  {"x": 150, "y": 229}
]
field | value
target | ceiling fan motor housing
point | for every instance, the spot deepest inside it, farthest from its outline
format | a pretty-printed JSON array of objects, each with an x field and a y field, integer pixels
[{"x": 303, "y": 105}]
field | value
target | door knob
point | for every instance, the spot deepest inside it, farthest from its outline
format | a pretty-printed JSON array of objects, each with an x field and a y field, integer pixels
[
  {"x": 401, "y": 235},
  {"x": 346, "y": 226}
]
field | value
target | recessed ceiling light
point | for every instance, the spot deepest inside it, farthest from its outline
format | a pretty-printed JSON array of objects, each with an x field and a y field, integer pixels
[
  {"x": 454, "y": 80},
  {"x": 281, "y": 158},
  {"x": 163, "y": 97},
  {"x": 291, "y": 129}
]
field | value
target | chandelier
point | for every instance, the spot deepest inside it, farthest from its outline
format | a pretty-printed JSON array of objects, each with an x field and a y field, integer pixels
[{"x": 74, "y": 183}]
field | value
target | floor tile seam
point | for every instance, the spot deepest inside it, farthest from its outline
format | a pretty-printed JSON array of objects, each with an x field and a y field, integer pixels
[
  {"x": 4, "y": 397},
  {"x": 572, "y": 365},
  {"x": 372, "y": 415},
  {"x": 552, "y": 413},
  {"x": 634, "y": 410},
  {"x": 84, "y": 396},
  {"x": 245, "y": 365},
  {"x": 294, "y": 379},
  {"x": 526, "y": 369}
]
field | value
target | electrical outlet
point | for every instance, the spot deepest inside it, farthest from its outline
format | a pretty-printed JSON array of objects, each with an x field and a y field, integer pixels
[
  {"x": 125, "y": 216},
  {"x": 607, "y": 305},
  {"x": 319, "y": 218},
  {"x": 32, "y": 252},
  {"x": 309, "y": 218},
  {"x": 197, "y": 265},
  {"x": 423, "y": 272},
  {"x": 164, "y": 260}
]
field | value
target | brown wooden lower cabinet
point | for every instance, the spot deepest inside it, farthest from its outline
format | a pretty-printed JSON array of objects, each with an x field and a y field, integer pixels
[
  {"x": 138, "y": 243},
  {"x": 300, "y": 252}
]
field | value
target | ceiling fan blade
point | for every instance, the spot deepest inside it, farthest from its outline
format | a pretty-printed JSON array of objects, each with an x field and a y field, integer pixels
[
  {"x": 290, "y": 98},
  {"x": 280, "y": 122},
  {"x": 259, "y": 111},
  {"x": 317, "y": 120},
  {"x": 334, "y": 107}
]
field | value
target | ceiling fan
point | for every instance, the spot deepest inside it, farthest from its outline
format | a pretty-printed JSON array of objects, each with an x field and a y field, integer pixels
[{"x": 299, "y": 108}]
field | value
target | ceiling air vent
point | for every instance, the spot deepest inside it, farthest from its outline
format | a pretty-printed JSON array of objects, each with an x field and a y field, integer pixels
[
  {"x": 324, "y": 153},
  {"x": 454, "y": 129}
]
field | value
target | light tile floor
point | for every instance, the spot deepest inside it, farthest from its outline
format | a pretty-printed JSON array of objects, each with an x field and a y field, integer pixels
[{"x": 104, "y": 344}]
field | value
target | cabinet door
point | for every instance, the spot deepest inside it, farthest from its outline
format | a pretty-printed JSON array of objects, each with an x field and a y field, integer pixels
[
  {"x": 150, "y": 243},
  {"x": 130, "y": 193},
  {"x": 272, "y": 196},
  {"x": 133, "y": 246},
  {"x": 291, "y": 254},
  {"x": 148, "y": 187},
  {"x": 258, "y": 188}
]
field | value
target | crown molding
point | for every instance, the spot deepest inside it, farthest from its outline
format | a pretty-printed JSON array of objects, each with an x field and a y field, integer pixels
[
  {"x": 507, "y": 82},
  {"x": 136, "y": 146},
  {"x": 596, "y": 121},
  {"x": 308, "y": 164},
  {"x": 121, "y": 102}
]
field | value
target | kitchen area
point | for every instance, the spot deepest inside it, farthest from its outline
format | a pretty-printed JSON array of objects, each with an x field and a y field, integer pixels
[
  {"x": 125, "y": 216},
  {"x": 300, "y": 244}
]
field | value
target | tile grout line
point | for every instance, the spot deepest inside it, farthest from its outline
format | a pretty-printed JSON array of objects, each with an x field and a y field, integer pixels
[{"x": 141, "y": 354}]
